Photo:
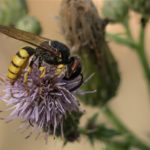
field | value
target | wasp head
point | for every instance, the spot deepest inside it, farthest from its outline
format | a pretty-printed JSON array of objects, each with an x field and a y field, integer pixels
[{"x": 73, "y": 68}]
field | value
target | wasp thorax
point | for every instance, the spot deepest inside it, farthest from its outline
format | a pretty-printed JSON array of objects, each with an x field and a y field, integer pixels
[{"x": 58, "y": 50}]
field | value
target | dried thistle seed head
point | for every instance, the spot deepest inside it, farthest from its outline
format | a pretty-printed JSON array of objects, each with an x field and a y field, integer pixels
[
  {"x": 42, "y": 103},
  {"x": 115, "y": 10},
  {"x": 84, "y": 31},
  {"x": 78, "y": 18},
  {"x": 140, "y": 6}
]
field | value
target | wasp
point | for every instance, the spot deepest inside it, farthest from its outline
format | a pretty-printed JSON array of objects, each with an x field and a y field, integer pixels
[{"x": 47, "y": 50}]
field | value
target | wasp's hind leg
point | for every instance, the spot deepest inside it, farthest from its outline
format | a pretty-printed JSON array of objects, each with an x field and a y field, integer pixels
[
  {"x": 41, "y": 68},
  {"x": 30, "y": 51},
  {"x": 29, "y": 69}
]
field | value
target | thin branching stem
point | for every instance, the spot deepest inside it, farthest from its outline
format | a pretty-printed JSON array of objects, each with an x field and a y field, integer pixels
[
  {"x": 130, "y": 137},
  {"x": 137, "y": 46},
  {"x": 127, "y": 29},
  {"x": 142, "y": 55},
  {"x": 140, "y": 49}
]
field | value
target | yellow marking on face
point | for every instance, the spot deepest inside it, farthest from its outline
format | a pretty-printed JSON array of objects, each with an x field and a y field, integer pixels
[{"x": 43, "y": 71}]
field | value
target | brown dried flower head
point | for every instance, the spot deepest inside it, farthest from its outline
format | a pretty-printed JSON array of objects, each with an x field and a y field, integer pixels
[{"x": 84, "y": 31}]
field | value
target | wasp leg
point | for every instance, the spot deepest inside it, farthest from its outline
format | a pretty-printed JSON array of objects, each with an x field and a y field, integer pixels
[
  {"x": 60, "y": 68},
  {"x": 77, "y": 86},
  {"x": 27, "y": 74},
  {"x": 41, "y": 68},
  {"x": 29, "y": 69},
  {"x": 43, "y": 71}
]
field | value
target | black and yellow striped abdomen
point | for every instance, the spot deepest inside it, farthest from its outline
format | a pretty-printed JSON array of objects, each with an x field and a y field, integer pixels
[{"x": 18, "y": 62}]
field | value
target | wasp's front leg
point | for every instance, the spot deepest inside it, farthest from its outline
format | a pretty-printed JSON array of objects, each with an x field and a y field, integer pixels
[
  {"x": 29, "y": 69},
  {"x": 41, "y": 68},
  {"x": 43, "y": 71},
  {"x": 60, "y": 69},
  {"x": 27, "y": 74}
]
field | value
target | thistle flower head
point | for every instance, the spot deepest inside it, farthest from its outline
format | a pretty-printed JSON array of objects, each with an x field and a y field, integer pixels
[{"x": 42, "y": 103}]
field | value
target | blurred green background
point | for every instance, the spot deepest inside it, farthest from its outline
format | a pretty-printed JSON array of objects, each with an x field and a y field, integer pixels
[{"x": 131, "y": 104}]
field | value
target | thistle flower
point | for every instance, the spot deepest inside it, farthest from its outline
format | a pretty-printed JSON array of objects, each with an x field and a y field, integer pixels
[{"x": 42, "y": 103}]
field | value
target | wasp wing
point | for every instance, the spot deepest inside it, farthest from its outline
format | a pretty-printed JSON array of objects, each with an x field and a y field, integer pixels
[{"x": 24, "y": 36}]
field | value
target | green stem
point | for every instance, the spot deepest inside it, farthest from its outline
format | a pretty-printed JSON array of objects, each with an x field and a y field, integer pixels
[
  {"x": 130, "y": 137},
  {"x": 144, "y": 62},
  {"x": 127, "y": 28},
  {"x": 142, "y": 56},
  {"x": 108, "y": 141},
  {"x": 139, "y": 47}
]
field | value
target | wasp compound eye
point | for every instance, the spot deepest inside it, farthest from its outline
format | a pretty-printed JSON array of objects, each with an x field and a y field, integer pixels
[{"x": 73, "y": 68}]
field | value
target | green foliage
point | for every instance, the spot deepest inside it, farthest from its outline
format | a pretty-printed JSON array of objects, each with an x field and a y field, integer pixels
[
  {"x": 2, "y": 17},
  {"x": 29, "y": 24},
  {"x": 15, "y": 13},
  {"x": 121, "y": 40},
  {"x": 96, "y": 131},
  {"x": 106, "y": 77},
  {"x": 115, "y": 10},
  {"x": 13, "y": 10},
  {"x": 140, "y": 6},
  {"x": 70, "y": 127}
]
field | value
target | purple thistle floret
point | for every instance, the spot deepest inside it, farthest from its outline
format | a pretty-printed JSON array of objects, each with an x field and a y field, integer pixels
[{"x": 41, "y": 102}]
